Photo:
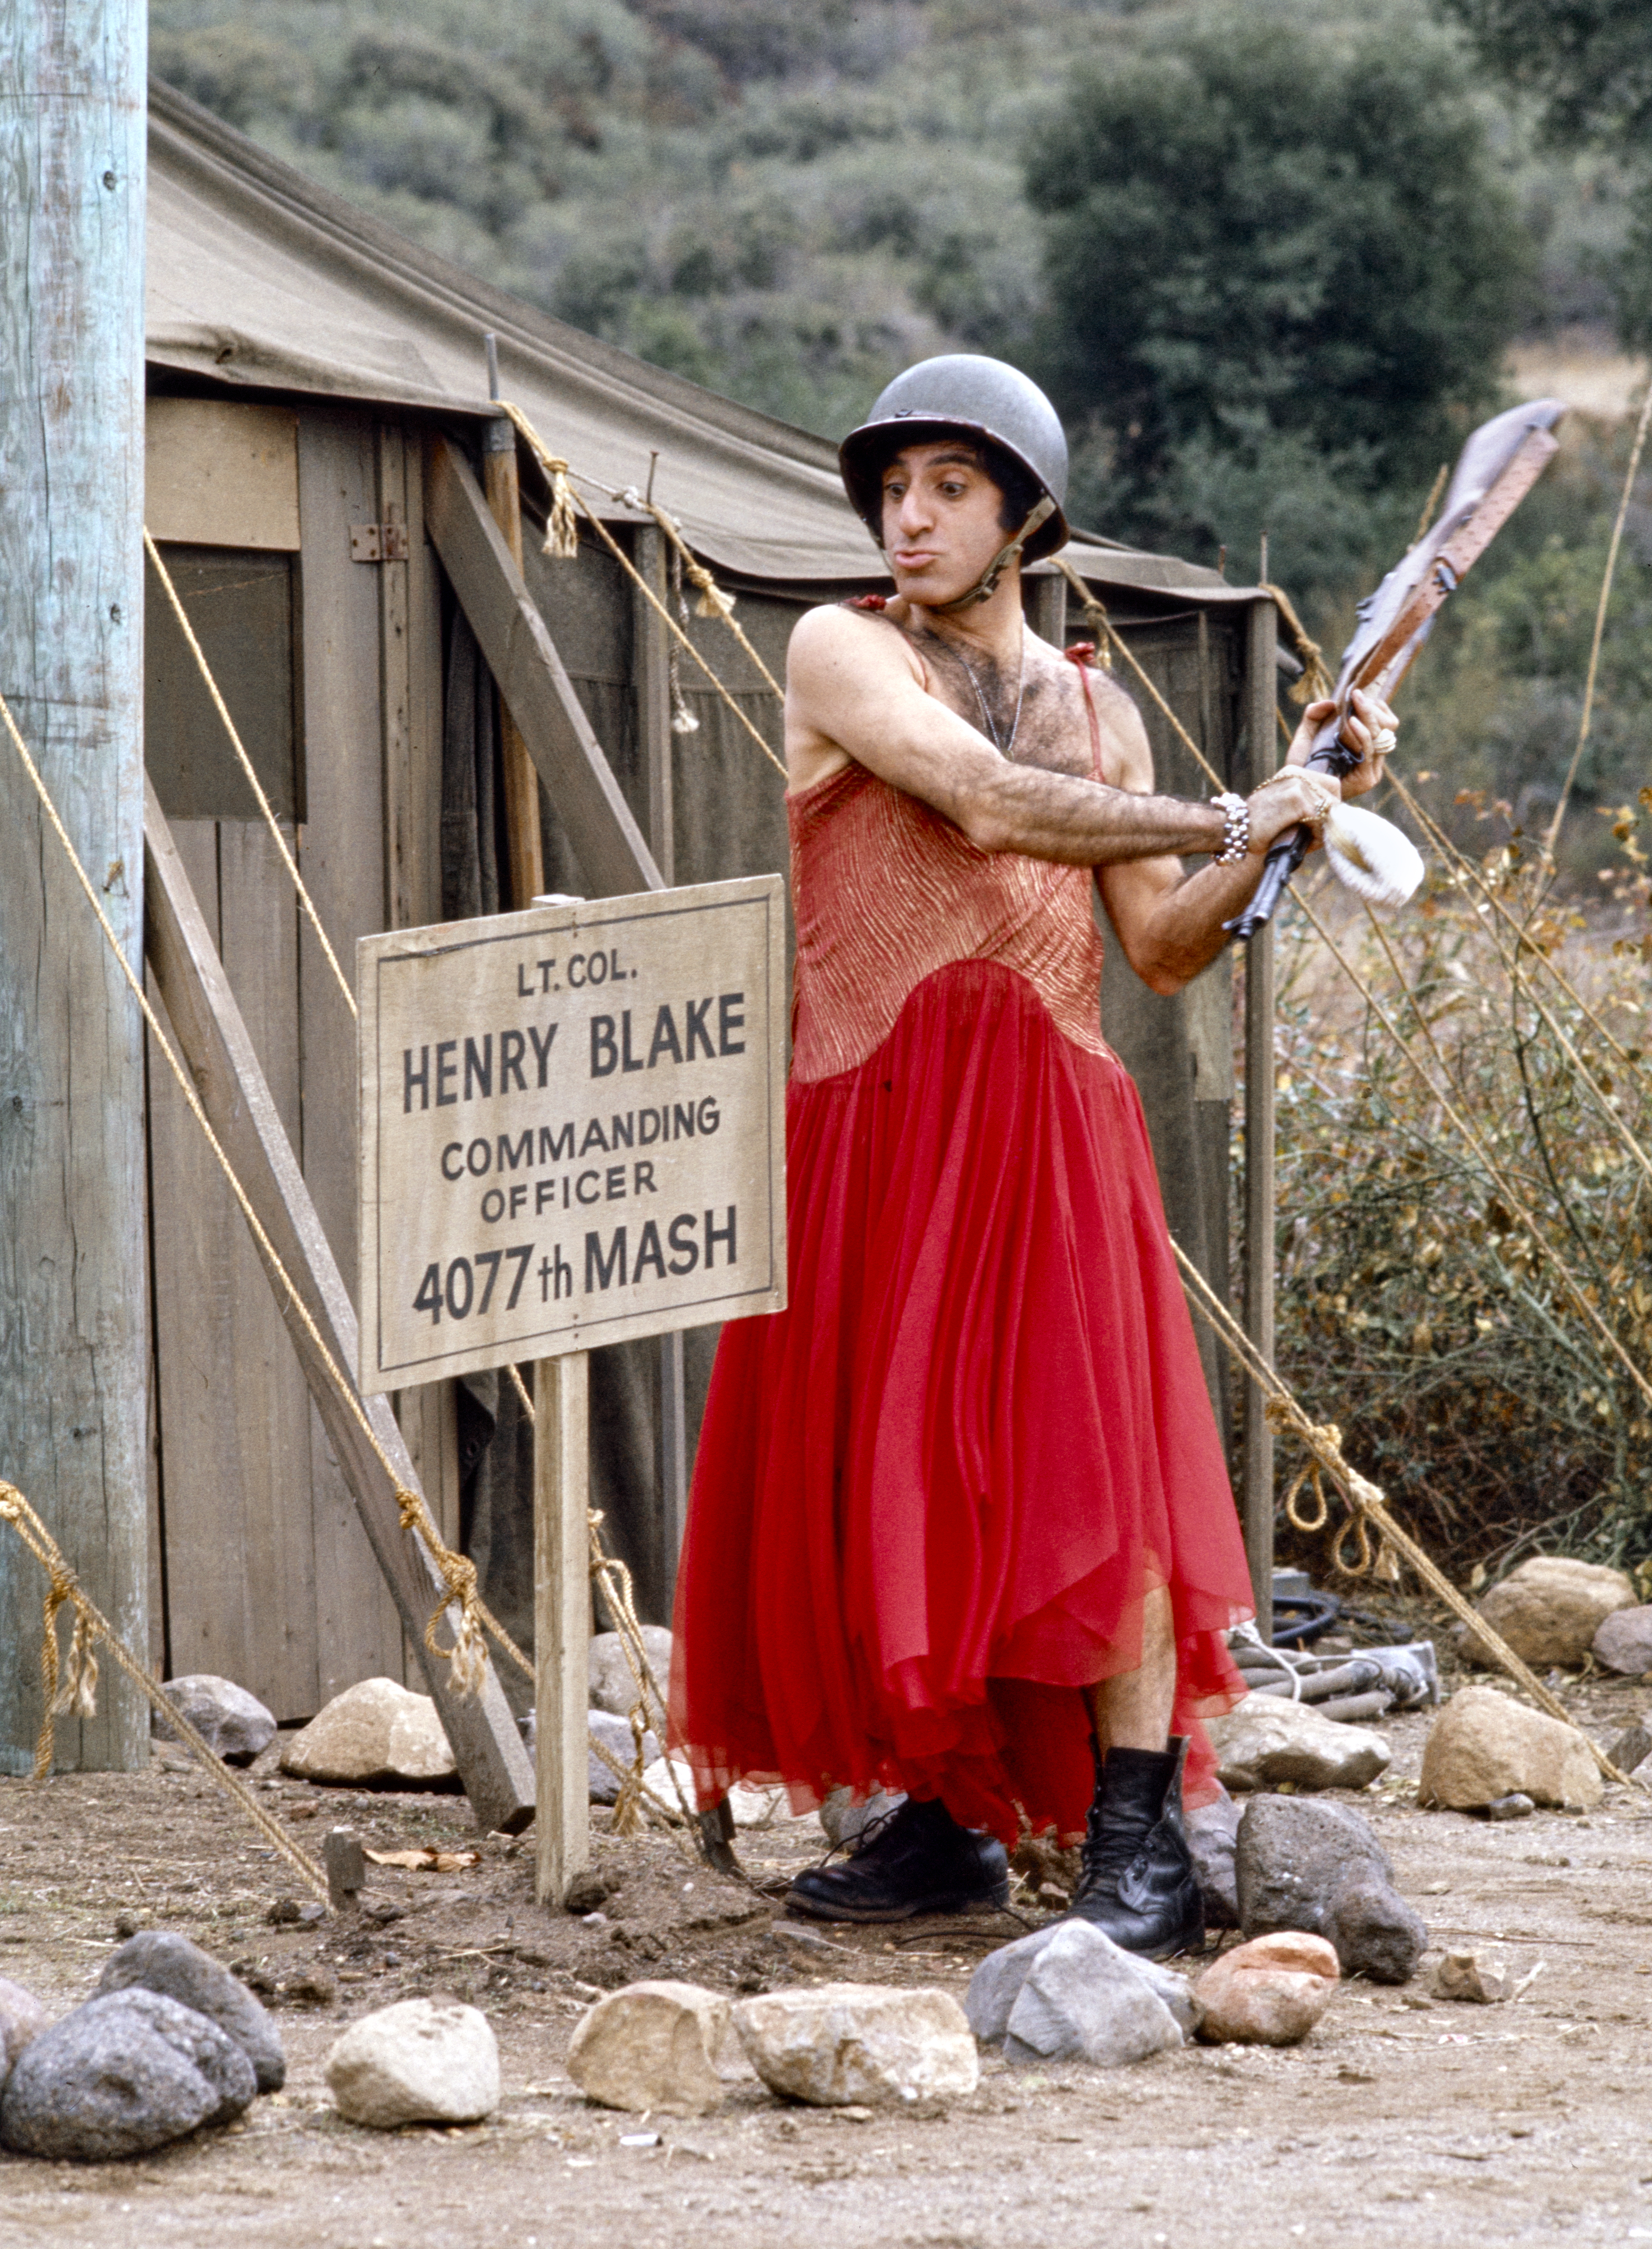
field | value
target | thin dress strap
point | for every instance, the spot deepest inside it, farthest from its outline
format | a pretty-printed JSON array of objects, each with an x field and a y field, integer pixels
[{"x": 1080, "y": 656}]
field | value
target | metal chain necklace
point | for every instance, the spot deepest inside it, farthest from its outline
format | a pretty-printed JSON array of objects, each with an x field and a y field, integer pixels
[{"x": 1005, "y": 749}]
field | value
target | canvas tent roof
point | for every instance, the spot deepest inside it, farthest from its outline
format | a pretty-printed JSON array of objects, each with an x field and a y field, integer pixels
[{"x": 258, "y": 278}]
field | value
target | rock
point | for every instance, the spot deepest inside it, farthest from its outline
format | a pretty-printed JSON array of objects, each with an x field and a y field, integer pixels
[
  {"x": 1485, "y": 1745},
  {"x": 845, "y": 1821},
  {"x": 1318, "y": 1868},
  {"x": 1270, "y": 1991},
  {"x": 612, "y": 1687},
  {"x": 749, "y": 1807},
  {"x": 996, "y": 1984},
  {"x": 1632, "y": 1747},
  {"x": 1550, "y": 1609},
  {"x": 1474, "y": 1975},
  {"x": 233, "y": 1723},
  {"x": 1623, "y": 1642},
  {"x": 345, "y": 1864},
  {"x": 1265, "y": 1741},
  {"x": 1213, "y": 1830},
  {"x": 376, "y": 1733},
  {"x": 313, "y": 1987},
  {"x": 160, "y": 1960},
  {"x": 21, "y": 2018},
  {"x": 652, "y": 2047},
  {"x": 614, "y": 1735},
  {"x": 586, "y": 1891},
  {"x": 127, "y": 2072},
  {"x": 1510, "y": 1807},
  {"x": 1082, "y": 1999},
  {"x": 850, "y": 2044},
  {"x": 422, "y": 2061},
  {"x": 764, "y": 1807}
]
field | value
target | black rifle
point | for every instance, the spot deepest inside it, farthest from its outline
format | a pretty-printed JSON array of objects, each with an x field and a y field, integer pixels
[{"x": 1495, "y": 472}]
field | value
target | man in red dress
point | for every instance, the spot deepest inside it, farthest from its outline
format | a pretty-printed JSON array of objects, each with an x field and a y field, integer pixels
[{"x": 961, "y": 1524}]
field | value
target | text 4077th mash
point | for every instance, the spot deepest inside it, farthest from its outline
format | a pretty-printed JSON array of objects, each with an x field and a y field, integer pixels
[{"x": 572, "y": 1128}]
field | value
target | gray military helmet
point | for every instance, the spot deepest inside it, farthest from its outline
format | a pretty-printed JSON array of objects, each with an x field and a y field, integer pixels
[{"x": 962, "y": 391}]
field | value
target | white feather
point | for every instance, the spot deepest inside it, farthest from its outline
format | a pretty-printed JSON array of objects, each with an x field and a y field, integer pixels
[{"x": 1377, "y": 860}]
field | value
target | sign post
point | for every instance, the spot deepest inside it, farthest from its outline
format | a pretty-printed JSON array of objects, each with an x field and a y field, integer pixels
[{"x": 572, "y": 1133}]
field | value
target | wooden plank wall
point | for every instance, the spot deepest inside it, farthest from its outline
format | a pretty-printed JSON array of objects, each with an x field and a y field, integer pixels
[
  {"x": 410, "y": 651},
  {"x": 232, "y": 1411},
  {"x": 341, "y": 857},
  {"x": 256, "y": 1546}
]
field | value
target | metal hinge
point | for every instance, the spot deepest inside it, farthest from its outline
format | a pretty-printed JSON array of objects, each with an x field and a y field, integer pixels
[{"x": 379, "y": 543}]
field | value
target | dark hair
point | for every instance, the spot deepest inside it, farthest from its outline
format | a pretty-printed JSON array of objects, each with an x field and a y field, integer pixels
[{"x": 1020, "y": 491}]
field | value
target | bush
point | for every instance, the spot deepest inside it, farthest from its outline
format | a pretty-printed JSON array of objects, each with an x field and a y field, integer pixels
[{"x": 1416, "y": 1306}]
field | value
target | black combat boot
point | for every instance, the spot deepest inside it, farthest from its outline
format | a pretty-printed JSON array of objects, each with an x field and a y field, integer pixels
[
  {"x": 1136, "y": 1882},
  {"x": 917, "y": 1860}
]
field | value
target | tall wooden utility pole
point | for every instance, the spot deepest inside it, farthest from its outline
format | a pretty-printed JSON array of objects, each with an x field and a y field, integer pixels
[{"x": 73, "y": 1289}]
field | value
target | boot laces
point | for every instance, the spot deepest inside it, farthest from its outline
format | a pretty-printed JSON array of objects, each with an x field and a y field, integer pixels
[{"x": 1110, "y": 1847}]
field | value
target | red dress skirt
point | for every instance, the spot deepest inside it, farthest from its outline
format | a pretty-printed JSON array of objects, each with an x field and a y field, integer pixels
[{"x": 931, "y": 1496}]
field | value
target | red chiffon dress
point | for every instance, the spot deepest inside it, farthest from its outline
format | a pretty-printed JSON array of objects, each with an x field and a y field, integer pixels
[{"x": 931, "y": 1495}]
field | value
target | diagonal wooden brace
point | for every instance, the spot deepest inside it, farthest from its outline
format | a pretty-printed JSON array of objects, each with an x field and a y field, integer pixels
[
  {"x": 212, "y": 1040},
  {"x": 537, "y": 693}
]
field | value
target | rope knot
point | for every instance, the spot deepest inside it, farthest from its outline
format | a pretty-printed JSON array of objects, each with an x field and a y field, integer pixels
[
  {"x": 1316, "y": 684},
  {"x": 467, "y": 1658}
]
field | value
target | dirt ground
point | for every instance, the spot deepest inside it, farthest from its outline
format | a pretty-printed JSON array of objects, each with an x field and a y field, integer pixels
[{"x": 1402, "y": 2119}]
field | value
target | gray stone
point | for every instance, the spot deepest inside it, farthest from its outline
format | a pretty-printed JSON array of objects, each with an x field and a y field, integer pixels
[
  {"x": 160, "y": 1960},
  {"x": 233, "y": 1723},
  {"x": 21, "y": 2018},
  {"x": 1082, "y": 1999},
  {"x": 345, "y": 1864},
  {"x": 844, "y": 2044},
  {"x": 1631, "y": 1747},
  {"x": 1623, "y": 1643},
  {"x": 376, "y": 1733},
  {"x": 127, "y": 2072},
  {"x": 422, "y": 2061},
  {"x": 613, "y": 1688},
  {"x": 996, "y": 1985},
  {"x": 845, "y": 1821},
  {"x": 1514, "y": 1806},
  {"x": 1317, "y": 1868},
  {"x": 1213, "y": 1830},
  {"x": 614, "y": 1735},
  {"x": 1264, "y": 1741}
]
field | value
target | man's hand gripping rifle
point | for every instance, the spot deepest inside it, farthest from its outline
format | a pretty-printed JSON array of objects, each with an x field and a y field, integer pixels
[{"x": 1495, "y": 470}]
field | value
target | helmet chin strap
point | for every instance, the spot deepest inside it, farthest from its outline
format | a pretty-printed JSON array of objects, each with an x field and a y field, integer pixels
[{"x": 986, "y": 585}]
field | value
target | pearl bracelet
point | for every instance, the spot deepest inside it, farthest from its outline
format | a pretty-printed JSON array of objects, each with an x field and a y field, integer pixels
[{"x": 1236, "y": 829}]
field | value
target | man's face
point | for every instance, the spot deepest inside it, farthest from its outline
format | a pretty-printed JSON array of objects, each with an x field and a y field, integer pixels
[{"x": 941, "y": 524}]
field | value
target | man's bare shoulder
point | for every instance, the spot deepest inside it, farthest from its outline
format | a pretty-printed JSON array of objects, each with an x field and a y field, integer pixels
[
  {"x": 1126, "y": 753},
  {"x": 824, "y": 638}
]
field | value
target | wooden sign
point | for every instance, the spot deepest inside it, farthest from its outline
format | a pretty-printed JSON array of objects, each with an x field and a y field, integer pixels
[{"x": 572, "y": 1128}]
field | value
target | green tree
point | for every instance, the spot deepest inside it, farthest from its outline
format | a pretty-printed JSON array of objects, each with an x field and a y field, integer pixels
[
  {"x": 1587, "y": 64},
  {"x": 1281, "y": 268}
]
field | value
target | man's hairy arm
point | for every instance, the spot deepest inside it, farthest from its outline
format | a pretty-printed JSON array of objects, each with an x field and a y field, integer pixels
[{"x": 853, "y": 681}]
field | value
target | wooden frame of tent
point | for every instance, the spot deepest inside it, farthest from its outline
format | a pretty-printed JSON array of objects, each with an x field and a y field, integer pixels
[{"x": 317, "y": 405}]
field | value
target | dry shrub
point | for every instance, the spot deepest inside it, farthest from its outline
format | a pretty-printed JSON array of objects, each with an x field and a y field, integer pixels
[{"x": 1417, "y": 1307}]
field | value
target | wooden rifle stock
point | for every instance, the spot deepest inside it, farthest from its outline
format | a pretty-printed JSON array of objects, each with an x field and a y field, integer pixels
[{"x": 1495, "y": 472}]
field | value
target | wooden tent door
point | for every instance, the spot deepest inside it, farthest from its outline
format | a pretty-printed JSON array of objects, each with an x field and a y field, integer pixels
[{"x": 262, "y": 1572}]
